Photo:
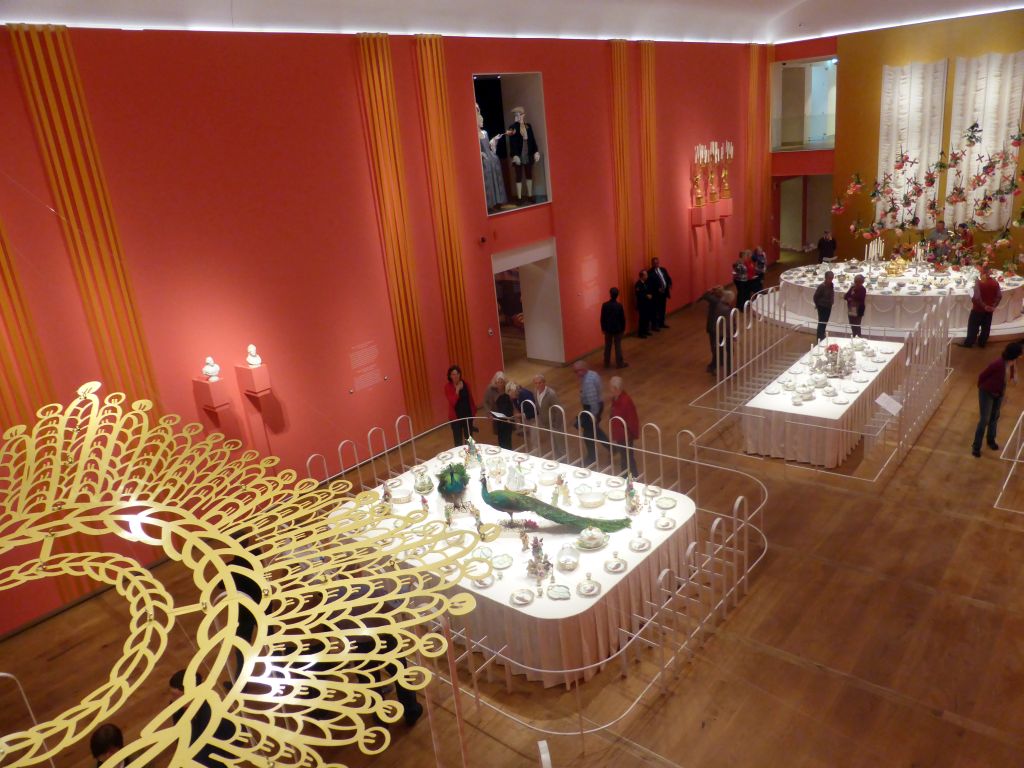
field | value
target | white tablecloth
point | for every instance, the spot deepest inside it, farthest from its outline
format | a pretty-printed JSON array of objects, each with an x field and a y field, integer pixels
[
  {"x": 820, "y": 432},
  {"x": 900, "y": 308},
  {"x": 554, "y": 635}
]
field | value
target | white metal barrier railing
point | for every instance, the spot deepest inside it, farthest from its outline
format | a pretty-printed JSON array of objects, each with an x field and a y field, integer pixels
[
  {"x": 759, "y": 345},
  {"x": 714, "y": 572}
]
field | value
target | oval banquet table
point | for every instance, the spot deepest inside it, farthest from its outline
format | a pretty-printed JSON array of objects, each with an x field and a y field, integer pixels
[{"x": 891, "y": 305}]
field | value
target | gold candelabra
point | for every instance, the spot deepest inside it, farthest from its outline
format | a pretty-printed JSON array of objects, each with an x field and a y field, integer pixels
[
  {"x": 712, "y": 180},
  {"x": 698, "y": 185}
]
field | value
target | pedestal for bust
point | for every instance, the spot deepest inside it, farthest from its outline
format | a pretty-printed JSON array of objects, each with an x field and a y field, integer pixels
[
  {"x": 255, "y": 382},
  {"x": 211, "y": 395},
  {"x": 724, "y": 207}
]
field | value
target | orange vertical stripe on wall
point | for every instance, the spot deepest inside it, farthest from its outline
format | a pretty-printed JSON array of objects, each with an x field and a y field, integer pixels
[
  {"x": 757, "y": 188},
  {"x": 433, "y": 89},
  {"x": 648, "y": 149},
  {"x": 53, "y": 89},
  {"x": 25, "y": 384},
  {"x": 380, "y": 111},
  {"x": 621, "y": 147}
]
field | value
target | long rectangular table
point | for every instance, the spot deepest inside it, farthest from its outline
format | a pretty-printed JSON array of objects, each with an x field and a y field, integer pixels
[
  {"x": 547, "y": 637},
  {"x": 820, "y": 432}
]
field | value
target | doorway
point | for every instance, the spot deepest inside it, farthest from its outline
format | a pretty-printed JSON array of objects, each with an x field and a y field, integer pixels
[
  {"x": 528, "y": 304},
  {"x": 805, "y": 212}
]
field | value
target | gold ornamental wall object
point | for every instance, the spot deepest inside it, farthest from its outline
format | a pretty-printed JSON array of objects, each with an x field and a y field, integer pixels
[{"x": 337, "y": 587}]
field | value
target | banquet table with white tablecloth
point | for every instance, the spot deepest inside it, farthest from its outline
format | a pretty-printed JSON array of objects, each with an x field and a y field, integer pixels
[
  {"x": 898, "y": 301},
  {"x": 550, "y": 630},
  {"x": 824, "y": 429}
]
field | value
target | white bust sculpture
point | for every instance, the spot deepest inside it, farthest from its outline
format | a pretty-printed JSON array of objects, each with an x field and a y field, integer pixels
[
  {"x": 254, "y": 360},
  {"x": 211, "y": 370}
]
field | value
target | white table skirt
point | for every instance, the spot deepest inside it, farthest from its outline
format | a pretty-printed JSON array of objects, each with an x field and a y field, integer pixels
[
  {"x": 555, "y": 635},
  {"x": 898, "y": 311},
  {"x": 824, "y": 438}
]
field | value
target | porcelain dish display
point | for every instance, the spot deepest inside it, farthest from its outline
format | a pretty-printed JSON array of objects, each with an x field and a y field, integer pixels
[
  {"x": 501, "y": 562},
  {"x": 591, "y": 541},
  {"x": 559, "y": 592},
  {"x": 521, "y": 597},
  {"x": 615, "y": 565},
  {"x": 664, "y": 523},
  {"x": 588, "y": 588},
  {"x": 639, "y": 544}
]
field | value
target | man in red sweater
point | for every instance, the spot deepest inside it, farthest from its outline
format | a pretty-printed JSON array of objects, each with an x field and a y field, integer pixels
[
  {"x": 984, "y": 301},
  {"x": 991, "y": 387}
]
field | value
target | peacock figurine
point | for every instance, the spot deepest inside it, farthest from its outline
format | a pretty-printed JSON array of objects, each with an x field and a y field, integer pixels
[{"x": 511, "y": 502}]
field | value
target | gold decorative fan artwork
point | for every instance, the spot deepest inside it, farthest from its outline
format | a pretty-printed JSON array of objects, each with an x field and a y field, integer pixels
[{"x": 311, "y": 598}]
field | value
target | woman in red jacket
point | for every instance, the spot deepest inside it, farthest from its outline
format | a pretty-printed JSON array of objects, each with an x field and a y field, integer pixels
[
  {"x": 622, "y": 439},
  {"x": 461, "y": 407}
]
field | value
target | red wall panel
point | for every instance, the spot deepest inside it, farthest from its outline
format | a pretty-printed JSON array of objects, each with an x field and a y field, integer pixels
[
  {"x": 243, "y": 195},
  {"x": 702, "y": 97},
  {"x": 242, "y": 192}
]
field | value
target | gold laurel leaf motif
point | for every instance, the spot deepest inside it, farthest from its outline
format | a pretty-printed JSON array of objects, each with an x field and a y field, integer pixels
[{"x": 311, "y": 600}]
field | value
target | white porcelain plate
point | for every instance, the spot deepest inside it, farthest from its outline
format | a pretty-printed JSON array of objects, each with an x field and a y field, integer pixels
[
  {"x": 559, "y": 592},
  {"x": 772, "y": 389},
  {"x": 501, "y": 562},
  {"x": 869, "y": 368},
  {"x": 851, "y": 389},
  {"x": 860, "y": 378},
  {"x": 615, "y": 494},
  {"x": 485, "y": 582},
  {"x": 550, "y": 465},
  {"x": 640, "y": 544},
  {"x": 521, "y": 597},
  {"x": 652, "y": 491},
  {"x": 665, "y": 523},
  {"x": 581, "y": 473},
  {"x": 492, "y": 450},
  {"x": 665, "y": 502},
  {"x": 588, "y": 588},
  {"x": 615, "y": 482}
]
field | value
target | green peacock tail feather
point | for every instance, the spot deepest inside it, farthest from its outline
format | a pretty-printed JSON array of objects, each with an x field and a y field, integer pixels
[{"x": 513, "y": 501}]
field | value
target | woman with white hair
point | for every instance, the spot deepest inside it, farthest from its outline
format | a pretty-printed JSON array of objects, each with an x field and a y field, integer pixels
[
  {"x": 494, "y": 390},
  {"x": 622, "y": 438},
  {"x": 520, "y": 396}
]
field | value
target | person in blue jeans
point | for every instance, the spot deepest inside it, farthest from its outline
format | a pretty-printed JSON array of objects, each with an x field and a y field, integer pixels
[
  {"x": 991, "y": 388},
  {"x": 592, "y": 400}
]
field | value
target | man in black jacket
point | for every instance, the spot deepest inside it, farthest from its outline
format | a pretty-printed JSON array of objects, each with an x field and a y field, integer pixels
[
  {"x": 613, "y": 325},
  {"x": 644, "y": 297},
  {"x": 826, "y": 248},
  {"x": 661, "y": 290}
]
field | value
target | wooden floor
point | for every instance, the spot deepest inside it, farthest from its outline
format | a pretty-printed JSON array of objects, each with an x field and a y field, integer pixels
[{"x": 885, "y": 627}]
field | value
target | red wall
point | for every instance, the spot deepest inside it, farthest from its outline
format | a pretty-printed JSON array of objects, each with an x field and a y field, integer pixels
[
  {"x": 810, "y": 163},
  {"x": 702, "y": 97},
  {"x": 244, "y": 200},
  {"x": 240, "y": 181}
]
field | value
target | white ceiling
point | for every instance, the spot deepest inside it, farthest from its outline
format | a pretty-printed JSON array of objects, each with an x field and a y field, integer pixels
[{"x": 685, "y": 20}]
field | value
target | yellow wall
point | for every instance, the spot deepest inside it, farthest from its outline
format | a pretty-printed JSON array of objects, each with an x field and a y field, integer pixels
[{"x": 859, "y": 91}]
